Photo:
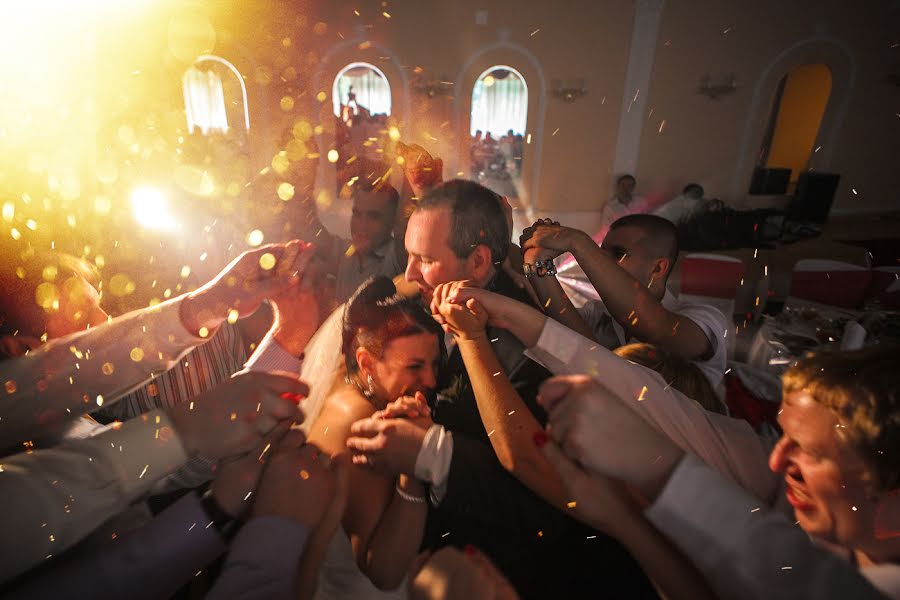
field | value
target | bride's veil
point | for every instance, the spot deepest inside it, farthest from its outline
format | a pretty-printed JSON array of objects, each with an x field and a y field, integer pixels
[{"x": 321, "y": 365}]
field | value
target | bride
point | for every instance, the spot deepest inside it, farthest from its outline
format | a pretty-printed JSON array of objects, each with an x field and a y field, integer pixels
[{"x": 391, "y": 349}]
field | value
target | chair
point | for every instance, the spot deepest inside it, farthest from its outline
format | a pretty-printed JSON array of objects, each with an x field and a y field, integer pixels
[
  {"x": 830, "y": 282},
  {"x": 713, "y": 279}
]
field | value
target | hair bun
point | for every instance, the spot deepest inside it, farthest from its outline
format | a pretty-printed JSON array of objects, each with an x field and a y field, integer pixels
[{"x": 365, "y": 301}]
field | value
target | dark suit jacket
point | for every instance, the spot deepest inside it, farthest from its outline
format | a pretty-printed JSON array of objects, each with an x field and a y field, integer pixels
[{"x": 543, "y": 552}]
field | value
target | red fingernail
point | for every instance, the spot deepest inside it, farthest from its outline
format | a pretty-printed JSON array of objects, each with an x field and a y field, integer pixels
[
  {"x": 539, "y": 438},
  {"x": 470, "y": 550},
  {"x": 295, "y": 398}
]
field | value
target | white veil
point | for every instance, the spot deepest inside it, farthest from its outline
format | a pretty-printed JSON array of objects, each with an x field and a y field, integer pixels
[{"x": 321, "y": 364}]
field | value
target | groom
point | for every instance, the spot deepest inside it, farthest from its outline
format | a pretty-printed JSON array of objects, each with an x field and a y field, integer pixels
[{"x": 459, "y": 231}]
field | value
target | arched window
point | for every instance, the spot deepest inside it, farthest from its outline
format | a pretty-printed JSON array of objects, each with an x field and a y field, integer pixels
[
  {"x": 797, "y": 111},
  {"x": 206, "y": 85},
  {"x": 498, "y": 127},
  {"x": 361, "y": 87}
]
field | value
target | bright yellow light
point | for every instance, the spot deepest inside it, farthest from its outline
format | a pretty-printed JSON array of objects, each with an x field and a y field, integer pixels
[
  {"x": 488, "y": 81},
  {"x": 151, "y": 210},
  {"x": 333, "y": 156},
  {"x": 394, "y": 134}
]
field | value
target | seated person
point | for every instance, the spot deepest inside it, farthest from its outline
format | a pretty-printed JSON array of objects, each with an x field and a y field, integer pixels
[
  {"x": 841, "y": 423},
  {"x": 680, "y": 207},
  {"x": 623, "y": 202},
  {"x": 629, "y": 272}
]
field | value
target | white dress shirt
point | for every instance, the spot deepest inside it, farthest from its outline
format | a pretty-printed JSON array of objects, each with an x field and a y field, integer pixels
[
  {"x": 748, "y": 552},
  {"x": 707, "y": 318}
]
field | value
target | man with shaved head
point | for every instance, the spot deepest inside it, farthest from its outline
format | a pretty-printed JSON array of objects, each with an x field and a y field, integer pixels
[{"x": 629, "y": 272}]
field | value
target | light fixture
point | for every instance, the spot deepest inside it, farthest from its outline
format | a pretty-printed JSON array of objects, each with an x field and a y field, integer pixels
[
  {"x": 713, "y": 89},
  {"x": 570, "y": 93}
]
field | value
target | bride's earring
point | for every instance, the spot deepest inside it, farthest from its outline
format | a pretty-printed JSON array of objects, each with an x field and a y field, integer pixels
[{"x": 371, "y": 382}]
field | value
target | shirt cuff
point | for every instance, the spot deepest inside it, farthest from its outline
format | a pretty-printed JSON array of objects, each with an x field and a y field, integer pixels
[
  {"x": 554, "y": 348},
  {"x": 433, "y": 461},
  {"x": 270, "y": 356}
]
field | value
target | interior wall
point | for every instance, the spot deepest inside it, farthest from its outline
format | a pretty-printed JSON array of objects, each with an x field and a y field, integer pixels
[
  {"x": 686, "y": 137},
  {"x": 715, "y": 142}
]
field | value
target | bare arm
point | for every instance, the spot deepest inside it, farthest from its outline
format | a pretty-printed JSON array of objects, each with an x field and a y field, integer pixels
[
  {"x": 511, "y": 424},
  {"x": 385, "y": 530},
  {"x": 629, "y": 302}
]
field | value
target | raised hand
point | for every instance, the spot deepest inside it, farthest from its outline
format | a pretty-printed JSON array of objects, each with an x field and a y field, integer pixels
[
  {"x": 231, "y": 419},
  {"x": 599, "y": 431},
  {"x": 414, "y": 408},
  {"x": 492, "y": 306},
  {"x": 297, "y": 312},
  {"x": 546, "y": 239},
  {"x": 422, "y": 171},
  {"x": 250, "y": 278},
  {"x": 389, "y": 446},
  {"x": 464, "y": 319}
]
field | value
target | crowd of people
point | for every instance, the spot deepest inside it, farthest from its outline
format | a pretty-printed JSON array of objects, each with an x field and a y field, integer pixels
[
  {"x": 429, "y": 416},
  {"x": 500, "y": 158}
]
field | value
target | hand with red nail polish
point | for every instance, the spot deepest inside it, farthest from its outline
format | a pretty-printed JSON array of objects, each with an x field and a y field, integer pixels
[{"x": 231, "y": 418}]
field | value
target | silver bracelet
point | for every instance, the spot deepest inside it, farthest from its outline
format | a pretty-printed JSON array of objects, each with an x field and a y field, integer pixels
[
  {"x": 409, "y": 497},
  {"x": 541, "y": 268}
]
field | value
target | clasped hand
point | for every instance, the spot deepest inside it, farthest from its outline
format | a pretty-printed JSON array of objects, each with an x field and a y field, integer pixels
[{"x": 464, "y": 318}]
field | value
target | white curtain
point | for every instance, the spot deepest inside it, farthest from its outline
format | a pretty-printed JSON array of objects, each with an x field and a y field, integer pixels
[
  {"x": 501, "y": 106},
  {"x": 204, "y": 101},
  {"x": 371, "y": 88}
]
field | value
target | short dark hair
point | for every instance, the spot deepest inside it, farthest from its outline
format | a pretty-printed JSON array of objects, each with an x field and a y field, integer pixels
[
  {"x": 693, "y": 187},
  {"x": 377, "y": 187},
  {"x": 862, "y": 388},
  {"x": 662, "y": 233},
  {"x": 624, "y": 177},
  {"x": 476, "y": 217}
]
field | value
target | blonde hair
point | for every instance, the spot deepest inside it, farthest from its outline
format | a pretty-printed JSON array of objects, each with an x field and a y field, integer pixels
[
  {"x": 679, "y": 373},
  {"x": 862, "y": 389}
]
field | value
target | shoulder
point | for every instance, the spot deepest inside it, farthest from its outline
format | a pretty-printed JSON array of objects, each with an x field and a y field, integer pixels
[
  {"x": 342, "y": 408},
  {"x": 704, "y": 315},
  {"x": 347, "y": 403}
]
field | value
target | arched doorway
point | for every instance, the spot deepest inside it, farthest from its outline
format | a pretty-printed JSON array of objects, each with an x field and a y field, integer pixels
[
  {"x": 797, "y": 110},
  {"x": 498, "y": 128}
]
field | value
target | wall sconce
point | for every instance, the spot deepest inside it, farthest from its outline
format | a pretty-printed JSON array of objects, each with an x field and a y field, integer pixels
[
  {"x": 568, "y": 94},
  {"x": 714, "y": 89},
  {"x": 429, "y": 87}
]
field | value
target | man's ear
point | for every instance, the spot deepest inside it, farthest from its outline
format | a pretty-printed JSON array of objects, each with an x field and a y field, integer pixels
[
  {"x": 661, "y": 268},
  {"x": 480, "y": 263}
]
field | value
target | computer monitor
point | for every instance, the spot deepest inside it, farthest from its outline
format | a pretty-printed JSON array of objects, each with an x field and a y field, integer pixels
[
  {"x": 769, "y": 182},
  {"x": 813, "y": 198}
]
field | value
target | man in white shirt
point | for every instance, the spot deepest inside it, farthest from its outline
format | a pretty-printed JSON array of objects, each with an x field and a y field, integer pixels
[
  {"x": 623, "y": 201},
  {"x": 629, "y": 272},
  {"x": 681, "y": 206}
]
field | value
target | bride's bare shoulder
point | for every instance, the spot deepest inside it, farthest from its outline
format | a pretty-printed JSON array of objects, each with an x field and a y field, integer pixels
[{"x": 344, "y": 406}]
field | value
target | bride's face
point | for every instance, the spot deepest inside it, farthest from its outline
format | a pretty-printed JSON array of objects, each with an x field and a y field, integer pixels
[{"x": 408, "y": 365}]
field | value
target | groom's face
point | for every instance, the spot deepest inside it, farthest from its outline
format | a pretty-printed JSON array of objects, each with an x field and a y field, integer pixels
[{"x": 431, "y": 261}]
